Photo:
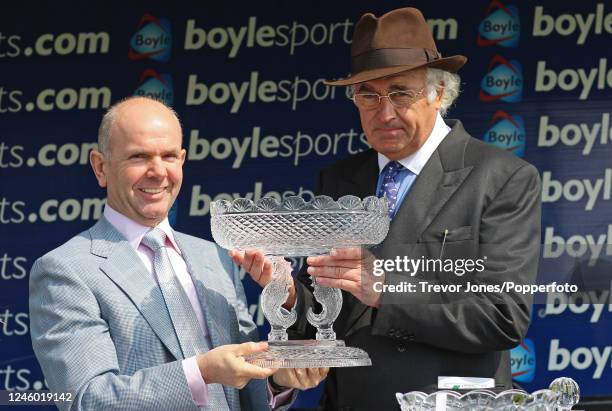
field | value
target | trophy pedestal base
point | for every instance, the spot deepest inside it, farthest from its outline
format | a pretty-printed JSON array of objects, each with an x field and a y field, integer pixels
[{"x": 309, "y": 354}]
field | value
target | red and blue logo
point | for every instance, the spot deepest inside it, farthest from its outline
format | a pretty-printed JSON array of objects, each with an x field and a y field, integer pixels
[
  {"x": 157, "y": 86},
  {"x": 506, "y": 132},
  {"x": 523, "y": 361},
  {"x": 501, "y": 26},
  {"x": 503, "y": 81},
  {"x": 152, "y": 40}
]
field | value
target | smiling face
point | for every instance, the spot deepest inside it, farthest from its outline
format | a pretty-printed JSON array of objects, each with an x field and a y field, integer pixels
[
  {"x": 398, "y": 132},
  {"x": 144, "y": 173}
]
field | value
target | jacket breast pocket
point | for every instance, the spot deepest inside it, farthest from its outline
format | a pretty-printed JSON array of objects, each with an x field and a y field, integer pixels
[{"x": 454, "y": 234}]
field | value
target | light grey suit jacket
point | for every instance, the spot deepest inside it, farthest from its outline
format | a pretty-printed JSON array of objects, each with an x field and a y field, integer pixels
[{"x": 100, "y": 328}]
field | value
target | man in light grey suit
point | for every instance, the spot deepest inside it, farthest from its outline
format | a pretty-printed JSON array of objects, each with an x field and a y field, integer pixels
[{"x": 132, "y": 315}]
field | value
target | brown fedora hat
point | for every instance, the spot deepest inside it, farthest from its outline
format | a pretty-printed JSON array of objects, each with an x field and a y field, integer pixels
[{"x": 398, "y": 41}]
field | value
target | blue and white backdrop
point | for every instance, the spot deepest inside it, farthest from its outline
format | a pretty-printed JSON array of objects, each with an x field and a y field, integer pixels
[{"x": 247, "y": 81}]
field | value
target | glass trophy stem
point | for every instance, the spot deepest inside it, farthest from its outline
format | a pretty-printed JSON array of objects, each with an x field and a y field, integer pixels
[
  {"x": 278, "y": 334},
  {"x": 274, "y": 296},
  {"x": 326, "y": 334},
  {"x": 331, "y": 301}
]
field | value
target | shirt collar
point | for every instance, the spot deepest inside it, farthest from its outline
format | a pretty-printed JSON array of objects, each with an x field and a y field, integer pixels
[
  {"x": 133, "y": 232},
  {"x": 417, "y": 160}
]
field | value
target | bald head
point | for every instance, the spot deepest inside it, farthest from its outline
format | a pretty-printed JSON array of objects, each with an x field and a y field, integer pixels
[{"x": 128, "y": 108}]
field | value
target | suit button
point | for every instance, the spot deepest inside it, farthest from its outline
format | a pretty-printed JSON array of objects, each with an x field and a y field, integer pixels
[{"x": 401, "y": 347}]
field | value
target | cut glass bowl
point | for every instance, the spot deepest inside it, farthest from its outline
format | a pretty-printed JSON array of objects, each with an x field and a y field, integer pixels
[{"x": 299, "y": 228}]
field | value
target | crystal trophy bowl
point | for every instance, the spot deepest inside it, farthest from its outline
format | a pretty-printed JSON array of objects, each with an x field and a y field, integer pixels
[
  {"x": 294, "y": 228},
  {"x": 562, "y": 394}
]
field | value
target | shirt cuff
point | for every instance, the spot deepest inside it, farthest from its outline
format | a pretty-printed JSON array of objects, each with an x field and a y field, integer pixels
[
  {"x": 280, "y": 399},
  {"x": 197, "y": 386}
]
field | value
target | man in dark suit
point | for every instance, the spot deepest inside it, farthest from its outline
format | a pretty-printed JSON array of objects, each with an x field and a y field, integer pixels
[{"x": 451, "y": 197}]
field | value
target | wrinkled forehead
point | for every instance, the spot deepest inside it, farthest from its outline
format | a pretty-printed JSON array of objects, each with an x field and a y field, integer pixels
[{"x": 412, "y": 79}]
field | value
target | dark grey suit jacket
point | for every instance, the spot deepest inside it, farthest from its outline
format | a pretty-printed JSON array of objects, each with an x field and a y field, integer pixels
[{"x": 489, "y": 201}]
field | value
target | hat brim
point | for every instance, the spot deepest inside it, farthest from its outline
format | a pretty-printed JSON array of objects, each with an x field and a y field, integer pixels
[{"x": 452, "y": 64}]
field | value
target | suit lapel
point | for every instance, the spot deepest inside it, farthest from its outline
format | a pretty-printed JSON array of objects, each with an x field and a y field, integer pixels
[
  {"x": 422, "y": 204},
  {"x": 214, "y": 304},
  {"x": 439, "y": 179},
  {"x": 126, "y": 270},
  {"x": 361, "y": 181}
]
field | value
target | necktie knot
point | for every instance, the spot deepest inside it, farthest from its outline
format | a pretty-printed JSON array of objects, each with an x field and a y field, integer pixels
[
  {"x": 392, "y": 169},
  {"x": 154, "y": 239}
]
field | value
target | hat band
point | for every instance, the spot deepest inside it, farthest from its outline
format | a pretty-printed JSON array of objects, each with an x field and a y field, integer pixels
[{"x": 382, "y": 58}]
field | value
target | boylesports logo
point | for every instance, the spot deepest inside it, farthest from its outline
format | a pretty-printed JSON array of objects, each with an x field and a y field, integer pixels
[
  {"x": 501, "y": 26},
  {"x": 152, "y": 40},
  {"x": 523, "y": 361},
  {"x": 507, "y": 132},
  {"x": 503, "y": 81},
  {"x": 157, "y": 86}
]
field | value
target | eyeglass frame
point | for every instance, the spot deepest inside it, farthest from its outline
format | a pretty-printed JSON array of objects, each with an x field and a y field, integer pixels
[{"x": 380, "y": 97}]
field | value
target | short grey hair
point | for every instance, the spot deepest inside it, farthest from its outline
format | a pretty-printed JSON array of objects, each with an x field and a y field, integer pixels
[
  {"x": 109, "y": 119},
  {"x": 436, "y": 80}
]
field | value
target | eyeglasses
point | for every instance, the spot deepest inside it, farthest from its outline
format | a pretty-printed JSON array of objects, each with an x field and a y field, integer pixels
[{"x": 399, "y": 99}]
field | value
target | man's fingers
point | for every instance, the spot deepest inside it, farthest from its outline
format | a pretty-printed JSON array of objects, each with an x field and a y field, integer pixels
[
  {"x": 336, "y": 254},
  {"x": 253, "y": 371},
  {"x": 349, "y": 286},
  {"x": 257, "y": 258},
  {"x": 299, "y": 377},
  {"x": 243, "y": 258},
  {"x": 237, "y": 256},
  {"x": 325, "y": 260},
  {"x": 267, "y": 268},
  {"x": 329, "y": 272},
  {"x": 249, "y": 348},
  {"x": 349, "y": 253},
  {"x": 248, "y": 261},
  {"x": 313, "y": 377},
  {"x": 250, "y": 370},
  {"x": 313, "y": 374},
  {"x": 318, "y": 373},
  {"x": 257, "y": 262},
  {"x": 323, "y": 372},
  {"x": 340, "y": 273}
]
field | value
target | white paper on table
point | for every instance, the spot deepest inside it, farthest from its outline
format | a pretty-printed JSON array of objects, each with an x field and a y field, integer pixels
[{"x": 464, "y": 383}]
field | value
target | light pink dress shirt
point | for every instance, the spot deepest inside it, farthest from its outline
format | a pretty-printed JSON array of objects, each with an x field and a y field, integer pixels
[{"x": 133, "y": 233}]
